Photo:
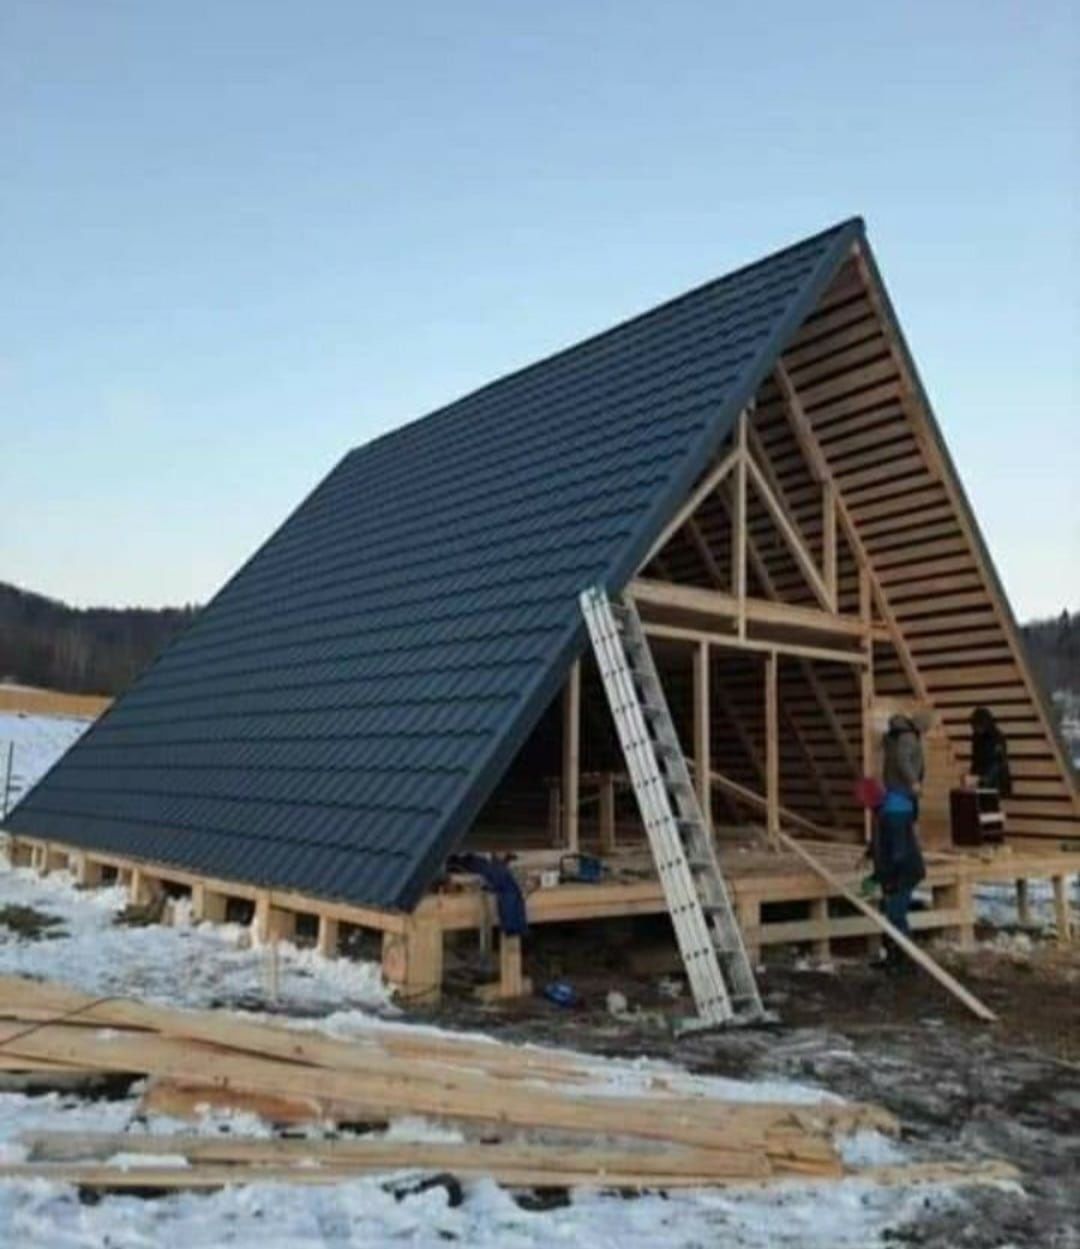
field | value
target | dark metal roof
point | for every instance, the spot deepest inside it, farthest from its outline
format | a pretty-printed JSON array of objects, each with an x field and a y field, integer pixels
[{"x": 336, "y": 716}]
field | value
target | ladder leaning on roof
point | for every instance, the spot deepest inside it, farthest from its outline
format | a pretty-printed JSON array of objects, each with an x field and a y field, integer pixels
[{"x": 710, "y": 941}]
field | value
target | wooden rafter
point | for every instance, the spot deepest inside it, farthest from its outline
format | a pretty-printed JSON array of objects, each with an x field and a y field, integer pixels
[
  {"x": 811, "y": 448},
  {"x": 719, "y": 606},
  {"x": 791, "y": 535},
  {"x": 698, "y": 495}
]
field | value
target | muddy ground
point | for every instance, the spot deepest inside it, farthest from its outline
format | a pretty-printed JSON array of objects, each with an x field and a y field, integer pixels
[{"x": 962, "y": 1089}]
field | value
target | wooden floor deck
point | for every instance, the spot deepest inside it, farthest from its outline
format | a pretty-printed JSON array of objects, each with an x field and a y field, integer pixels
[{"x": 779, "y": 901}]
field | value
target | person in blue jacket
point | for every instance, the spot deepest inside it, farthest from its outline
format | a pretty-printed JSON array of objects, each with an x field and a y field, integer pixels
[{"x": 898, "y": 863}]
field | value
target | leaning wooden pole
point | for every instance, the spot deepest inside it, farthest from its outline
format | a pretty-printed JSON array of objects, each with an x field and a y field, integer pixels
[{"x": 905, "y": 943}]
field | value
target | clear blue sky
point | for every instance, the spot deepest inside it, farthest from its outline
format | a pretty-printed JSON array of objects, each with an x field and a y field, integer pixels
[{"x": 238, "y": 238}]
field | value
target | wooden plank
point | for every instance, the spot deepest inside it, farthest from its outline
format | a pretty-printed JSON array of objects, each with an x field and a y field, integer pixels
[
  {"x": 791, "y": 535},
  {"x": 697, "y": 496},
  {"x": 727, "y": 641},
  {"x": 571, "y": 758},
  {"x": 908, "y": 946},
  {"x": 739, "y": 528},
  {"x": 703, "y": 730},
  {"x": 772, "y": 750},
  {"x": 713, "y": 604}
]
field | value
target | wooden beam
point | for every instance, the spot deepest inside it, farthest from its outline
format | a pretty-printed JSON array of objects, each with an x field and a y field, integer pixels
[
  {"x": 905, "y": 943},
  {"x": 607, "y": 813},
  {"x": 772, "y": 750},
  {"x": 698, "y": 495},
  {"x": 720, "y": 607},
  {"x": 790, "y": 534},
  {"x": 828, "y": 541},
  {"x": 571, "y": 758},
  {"x": 703, "y": 730},
  {"x": 811, "y": 448},
  {"x": 705, "y": 552},
  {"x": 728, "y": 641},
  {"x": 738, "y": 535}
]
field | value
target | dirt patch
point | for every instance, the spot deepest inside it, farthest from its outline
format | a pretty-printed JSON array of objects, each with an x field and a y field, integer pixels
[
  {"x": 32, "y": 924},
  {"x": 962, "y": 1089}
]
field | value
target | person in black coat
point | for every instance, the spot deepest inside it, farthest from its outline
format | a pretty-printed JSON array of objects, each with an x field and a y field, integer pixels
[{"x": 989, "y": 753}]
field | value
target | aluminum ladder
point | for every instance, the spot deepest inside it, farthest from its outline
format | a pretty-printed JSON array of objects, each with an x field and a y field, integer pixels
[{"x": 710, "y": 940}]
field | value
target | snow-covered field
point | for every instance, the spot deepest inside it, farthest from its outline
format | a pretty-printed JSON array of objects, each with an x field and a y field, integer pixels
[
  {"x": 33, "y": 744},
  {"x": 207, "y": 965}
]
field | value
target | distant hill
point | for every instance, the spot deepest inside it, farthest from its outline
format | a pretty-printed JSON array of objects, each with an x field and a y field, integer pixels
[
  {"x": 1054, "y": 647},
  {"x": 100, "y": 650},
  {"x": 84, "y": 650}
]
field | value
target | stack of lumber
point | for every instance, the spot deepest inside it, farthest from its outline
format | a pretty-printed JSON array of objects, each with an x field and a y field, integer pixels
[{"x": 527, "y": 1116}]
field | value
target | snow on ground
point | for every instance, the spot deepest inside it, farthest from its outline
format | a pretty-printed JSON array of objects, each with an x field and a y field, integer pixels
[
  {"x": 188, "y": 965},
  {"x": 211, "y": 965},
  {"x": 34, "y": 743},
  {"x": 995, "y": 904}
]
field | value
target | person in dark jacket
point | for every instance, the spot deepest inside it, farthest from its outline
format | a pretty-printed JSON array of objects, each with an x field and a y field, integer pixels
[
  {"x": 989, "y": 753},
  {"x": 898, "y": 862},
  {"x": 904, "y": 766}
]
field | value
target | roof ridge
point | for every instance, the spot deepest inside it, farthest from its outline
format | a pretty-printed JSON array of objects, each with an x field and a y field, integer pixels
[{"x": 666, "y": 305}]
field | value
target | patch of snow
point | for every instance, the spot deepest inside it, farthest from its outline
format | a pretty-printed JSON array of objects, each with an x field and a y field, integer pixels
[
  {"x": 200, "y": 965},
  {"x": 34, "y": 743},
  {"x": 127, "y": 1161},
  {"x": 866, "y": 1148},
  {"x": 995, "y": 904},
  {"x": 855, "y": 1215}
]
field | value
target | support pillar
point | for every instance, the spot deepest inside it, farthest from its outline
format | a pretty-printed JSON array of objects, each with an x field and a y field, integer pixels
[
  {"x": 772, "y": 750},
  {"x": 412, "y": 961},
  {"x": 738, "y": 536},
  {"x": 703, "y": 732},
  {"x": 329, "y": 937},
  {"x": 571, "y": 760},
  {"x": 1062, "y": 919},
  {"x": 607, "y": 814}
]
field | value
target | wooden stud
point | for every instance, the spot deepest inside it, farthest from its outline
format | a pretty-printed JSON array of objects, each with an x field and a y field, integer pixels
[
  {"x": 772, "y": 750},
  {"x": 1023, "y": 903},
  {"x": 87, "y": 871},
  {"x": 329, "y": 937},
  {"x": 412, "y": 961},
  {"x": 511, "y": 981},
  {"x": 261, "y": 917},
  {"x": 1062, "y": 919},
  {"x": 571, "y": 760},
  {"x": 828, "y": 550},
  {"x": 819, "y": 914},
  {"x": 748, "y": 913},
  {"x": 738, "y": 537},
  {"x": 208, "y": 905},
  {"x": 607, "y": 814},
  {"x": 790, "y": 533},
  {"x": 697, "y": 496},
  {"x": 702, "y": 731}
]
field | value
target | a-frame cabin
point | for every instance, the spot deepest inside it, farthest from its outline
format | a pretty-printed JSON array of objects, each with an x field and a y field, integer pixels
[{"x": 403, "y": 670}]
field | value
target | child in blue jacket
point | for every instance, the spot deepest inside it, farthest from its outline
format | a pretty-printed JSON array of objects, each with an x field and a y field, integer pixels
[{"x": 897, "y": 858}]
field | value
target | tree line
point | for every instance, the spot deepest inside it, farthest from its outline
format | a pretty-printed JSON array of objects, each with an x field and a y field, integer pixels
[
  {"x": 100, "y": 650},
  {"x": 81, "y": 650}
]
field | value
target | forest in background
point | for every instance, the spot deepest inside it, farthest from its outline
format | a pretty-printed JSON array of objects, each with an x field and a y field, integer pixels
[
  {"x": 80, "y": 650},
  {"x": 100, "y": 650}
]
